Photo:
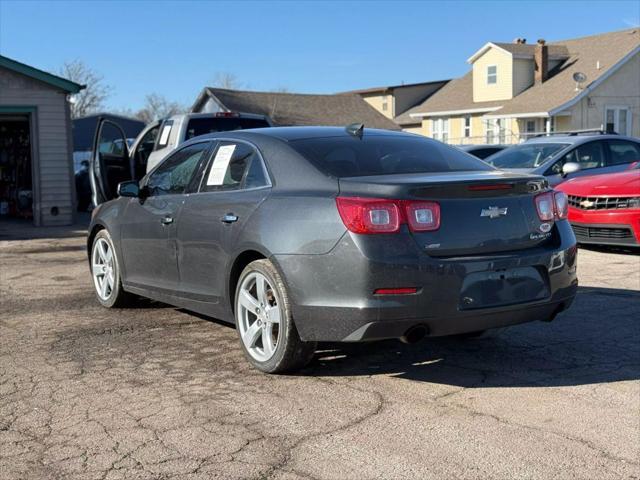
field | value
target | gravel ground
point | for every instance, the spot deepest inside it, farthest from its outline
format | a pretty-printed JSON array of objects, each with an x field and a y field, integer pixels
[{"x": 155, "y": 392}]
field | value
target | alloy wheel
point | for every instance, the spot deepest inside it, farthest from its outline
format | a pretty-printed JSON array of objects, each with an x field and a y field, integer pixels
[
  {"x": 102, "y": 268},
  {"x": 259, "y": 315}
]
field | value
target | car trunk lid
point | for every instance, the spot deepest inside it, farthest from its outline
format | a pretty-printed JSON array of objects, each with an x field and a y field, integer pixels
[{"x": 481, "y": 212}]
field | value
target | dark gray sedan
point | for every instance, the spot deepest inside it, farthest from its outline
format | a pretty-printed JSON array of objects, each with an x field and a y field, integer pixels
[{"x": 300, "y": 235}]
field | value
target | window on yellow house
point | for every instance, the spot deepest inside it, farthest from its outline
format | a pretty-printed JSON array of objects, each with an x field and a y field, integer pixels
[
  {"x": 492, "y": 74},
  {"x": 467, "y": 126},
  {"x": 495, "y": 131},
  {"x": 440, "y": 129}
]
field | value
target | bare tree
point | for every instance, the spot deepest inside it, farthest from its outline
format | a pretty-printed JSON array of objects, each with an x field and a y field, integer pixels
[
  {"x": 90, "y": 99},
  {"x": 157, "y": 106},
  {"x": 226, "y": 80}
]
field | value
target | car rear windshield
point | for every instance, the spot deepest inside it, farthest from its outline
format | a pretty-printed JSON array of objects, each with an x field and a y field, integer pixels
[
  {"x": 384, "y": 155},
  {"x": 202, "y": 126},
  {"x": 527, "y": 155}
]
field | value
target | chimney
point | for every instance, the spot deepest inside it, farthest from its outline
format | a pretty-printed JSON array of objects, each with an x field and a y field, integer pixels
[
  {"x": 541, "y": 61},
  {"x": 520, "y": 41}
]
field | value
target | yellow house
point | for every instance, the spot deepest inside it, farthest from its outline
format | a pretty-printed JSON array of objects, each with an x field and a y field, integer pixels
[
  {"x": 394, "y": 101},
  {"x": 516, "y": 90}
]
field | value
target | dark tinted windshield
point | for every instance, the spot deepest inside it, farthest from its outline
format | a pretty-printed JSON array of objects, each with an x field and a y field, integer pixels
[
  {"x": 382, "y": 155},
  {"x": 527, "y": 155},
  {"x": 202, "y": 126}
]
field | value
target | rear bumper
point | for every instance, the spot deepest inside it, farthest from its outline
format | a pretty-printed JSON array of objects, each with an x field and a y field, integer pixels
[
  {"x": 332, "y": 295},
  {"x": 606, "y": 227}
]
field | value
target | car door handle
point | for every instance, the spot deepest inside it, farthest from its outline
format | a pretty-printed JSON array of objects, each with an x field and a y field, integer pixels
[
  {"x": 229, "y": 218},
  {"x": 166, "y": 220}
]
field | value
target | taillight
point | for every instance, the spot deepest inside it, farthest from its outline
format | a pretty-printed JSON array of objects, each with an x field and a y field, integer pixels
[
  {"x": 422, "y": 216},
  {"x": 545, "y": 206},
  {"x": 561, "y": 204},
  {"x": 369, "y": 215},
  {"x": 381, "y": 215},
  {"x": 552, "y": 205}
]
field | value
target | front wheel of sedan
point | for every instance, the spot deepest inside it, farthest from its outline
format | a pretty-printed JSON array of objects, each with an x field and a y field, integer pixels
[
  {"x": 106, "y": 273},
  {"x": 267, "y": 332}
]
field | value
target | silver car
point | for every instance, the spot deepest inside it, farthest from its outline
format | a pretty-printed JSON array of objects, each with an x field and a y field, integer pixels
[{"x": 561, "y": 157}]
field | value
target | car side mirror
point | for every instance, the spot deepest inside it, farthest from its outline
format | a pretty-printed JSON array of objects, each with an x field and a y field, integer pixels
[
  {"x": 129, "y": 189},
  {"x": 570, "y": 167}
]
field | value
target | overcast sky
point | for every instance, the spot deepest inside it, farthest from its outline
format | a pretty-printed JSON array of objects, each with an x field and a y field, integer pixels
[{"x": 176, "y": 48}]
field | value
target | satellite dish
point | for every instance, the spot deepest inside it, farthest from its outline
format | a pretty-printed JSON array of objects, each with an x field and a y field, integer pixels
[{"x": 579, "y": 77}]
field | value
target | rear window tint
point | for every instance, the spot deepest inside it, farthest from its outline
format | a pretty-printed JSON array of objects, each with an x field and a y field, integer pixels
[
  {"x": 384, "y": 155},
  {"x": 202, "y": 126}
]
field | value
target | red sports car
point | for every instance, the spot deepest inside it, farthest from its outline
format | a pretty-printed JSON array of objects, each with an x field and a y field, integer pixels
[{"x": 605, "y": 209}]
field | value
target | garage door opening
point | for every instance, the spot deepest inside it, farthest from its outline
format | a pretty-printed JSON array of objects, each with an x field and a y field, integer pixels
[{"x": 16, "y": 187}]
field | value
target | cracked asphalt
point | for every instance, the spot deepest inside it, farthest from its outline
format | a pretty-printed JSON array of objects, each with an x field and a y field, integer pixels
[{"x": 156, "y": 392}]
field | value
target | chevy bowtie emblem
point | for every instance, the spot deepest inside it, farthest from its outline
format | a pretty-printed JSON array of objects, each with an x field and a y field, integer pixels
[
  {"x": 493, "y": 212},
  {"x": 587, "y": 203}
]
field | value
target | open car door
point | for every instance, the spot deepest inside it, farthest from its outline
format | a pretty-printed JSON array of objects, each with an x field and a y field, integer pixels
[
  {"x": 142, "y": 148},
  {"x": 110, "y": 162}
]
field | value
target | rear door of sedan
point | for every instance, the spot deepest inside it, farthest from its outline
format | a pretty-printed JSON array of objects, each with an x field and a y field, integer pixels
[{"x": 235, "y": 182}]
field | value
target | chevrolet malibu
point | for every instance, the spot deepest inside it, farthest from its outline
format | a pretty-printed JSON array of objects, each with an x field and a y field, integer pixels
[{"x": 306, "y": 234}]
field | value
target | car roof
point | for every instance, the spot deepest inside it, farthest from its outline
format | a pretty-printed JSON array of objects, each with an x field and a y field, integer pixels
[
  {"x": 577, "y": 139},
  {"x": 299, "y": 133}
]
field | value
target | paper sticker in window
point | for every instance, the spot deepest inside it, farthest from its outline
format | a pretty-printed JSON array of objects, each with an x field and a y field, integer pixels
[
  {"x": 164, "y": 136},
  {"x": 220, "y": 165}
]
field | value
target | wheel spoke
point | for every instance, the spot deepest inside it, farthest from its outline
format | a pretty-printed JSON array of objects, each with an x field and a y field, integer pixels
[
  {"x": 274, "y": 314},
  {"x": 109, "y": 255},
  {"x": 252, "y": 334},
  {"x": 103, "y": 249},
  {"x": 267, "y": 341},
  {"x": 103, "y": 287},
  {"x": 260, "y": 289},
  {"x": 110, "y": 280},
  {"x": 98, "y": 269},
  {"x": 248, "y": 302}
]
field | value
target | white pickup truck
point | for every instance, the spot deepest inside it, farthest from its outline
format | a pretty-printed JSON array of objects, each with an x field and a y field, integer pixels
[{"x": 114, "y": 162}]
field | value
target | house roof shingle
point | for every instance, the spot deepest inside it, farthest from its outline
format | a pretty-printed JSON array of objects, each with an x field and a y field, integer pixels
[
  {"x": 584, "y": 55},
  {"x": 286, "y": 109}
]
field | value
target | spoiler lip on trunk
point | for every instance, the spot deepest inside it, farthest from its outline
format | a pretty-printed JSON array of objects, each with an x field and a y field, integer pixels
[{"x": 443, "y": 185}]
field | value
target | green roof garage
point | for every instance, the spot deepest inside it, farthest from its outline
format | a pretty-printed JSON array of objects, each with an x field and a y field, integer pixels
[{"x": 36, "y": 167}]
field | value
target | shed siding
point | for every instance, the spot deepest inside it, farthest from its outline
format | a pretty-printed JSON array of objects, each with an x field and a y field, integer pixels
[{"x": 51, "y": 127}]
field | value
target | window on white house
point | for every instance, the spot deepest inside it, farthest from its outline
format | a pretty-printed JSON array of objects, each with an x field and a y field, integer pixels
[
  {"x": 617, "y": 120},
  {"x": 467, "y": 126},
  {"x": 385, "y": 106},
  {"x": 492, "y": 74},
  {"x": 440, "y": 129}
]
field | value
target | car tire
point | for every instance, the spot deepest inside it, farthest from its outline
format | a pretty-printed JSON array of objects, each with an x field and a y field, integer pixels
[
  {"x": 267, "y": 332},
  {"x": 105, "y": 268}
]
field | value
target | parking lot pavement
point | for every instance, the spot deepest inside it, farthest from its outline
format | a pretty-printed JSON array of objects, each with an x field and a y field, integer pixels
[{"x": 155, "y": 392}]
